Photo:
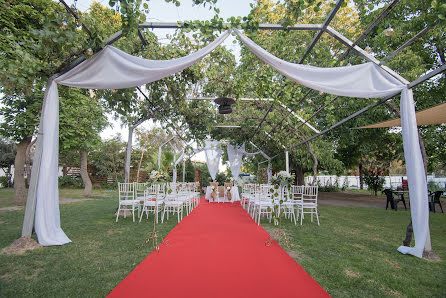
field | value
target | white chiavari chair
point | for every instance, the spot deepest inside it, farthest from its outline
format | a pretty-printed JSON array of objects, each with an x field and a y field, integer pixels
[
  {"x": 126, "y": 199},
  {"x": 308, "y": 203}
]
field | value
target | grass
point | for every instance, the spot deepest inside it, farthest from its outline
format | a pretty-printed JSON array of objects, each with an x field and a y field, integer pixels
[
  {"x": 352, "y": 254},
  {"x": 366, "y": 192},
  {"x": 103, "y": 252}
]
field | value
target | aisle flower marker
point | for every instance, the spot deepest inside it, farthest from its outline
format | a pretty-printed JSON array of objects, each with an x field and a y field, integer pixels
[{"x": 281, "y": 181}]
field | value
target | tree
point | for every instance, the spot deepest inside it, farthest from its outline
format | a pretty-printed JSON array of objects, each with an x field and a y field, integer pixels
[
  {"x": 81, "y": 120},
  {"x": 109, "y": 158},
  {"x": 34, "y": 46},
  {"x": 7, "y": 154}
]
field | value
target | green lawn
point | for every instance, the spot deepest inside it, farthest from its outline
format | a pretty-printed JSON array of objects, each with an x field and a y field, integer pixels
[
  {"x": 103, "y": 252},
  {"x": 352, "y": 254}
]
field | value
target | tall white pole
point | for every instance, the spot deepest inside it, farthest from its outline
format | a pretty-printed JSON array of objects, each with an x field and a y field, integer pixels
[{"x": 287, "y": 161}]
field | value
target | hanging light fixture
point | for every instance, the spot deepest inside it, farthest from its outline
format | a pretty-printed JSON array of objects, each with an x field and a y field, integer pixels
[
  {"x": 368, "y": 49},
  {"x": 89, "y": 52},
  {"x": 224, "y": 104},
  {"x": 113, "y": 91},
  {"x": 388, "y": 31}
]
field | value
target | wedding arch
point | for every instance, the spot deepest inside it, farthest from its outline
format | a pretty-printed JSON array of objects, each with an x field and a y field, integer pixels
[{"x": 112, "y": 68}]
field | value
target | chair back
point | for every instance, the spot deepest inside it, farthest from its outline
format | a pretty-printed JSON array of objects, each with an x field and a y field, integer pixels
[
  {"x": 389, "y": 194},
  {"x": 139, "y": 190},
  {"x": 126, "y": 191},
  {"x": 309, "y": 194},
  {"x": 437, "y": 195}
]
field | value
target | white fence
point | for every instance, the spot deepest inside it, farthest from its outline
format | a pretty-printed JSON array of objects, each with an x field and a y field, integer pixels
[{"x": 352, "y": 182}]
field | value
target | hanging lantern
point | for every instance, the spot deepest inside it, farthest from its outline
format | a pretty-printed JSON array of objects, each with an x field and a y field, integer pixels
[
  {"x": 388, "y": 31},
  {"x": 113, "y": 91},
  {"x": 368, "y": 49},
  {"x": 64, "y": 25},
  {"x": 224, "y": 104},
  {"x": 89, "y": 52}
]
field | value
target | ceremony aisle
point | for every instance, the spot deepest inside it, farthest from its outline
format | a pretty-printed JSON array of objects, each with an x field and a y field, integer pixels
[{"x": 218, "y": 251}]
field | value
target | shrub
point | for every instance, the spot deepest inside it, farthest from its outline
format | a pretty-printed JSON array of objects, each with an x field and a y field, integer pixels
[
  {"x": 69, "y": 181},
  {"x": 5, "y": 181},
  {"x": 374, "y": 182},
  {"x": 433, "y": 187}
]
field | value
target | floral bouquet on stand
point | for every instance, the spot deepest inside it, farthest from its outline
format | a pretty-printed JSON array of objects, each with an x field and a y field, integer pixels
[
  {"x": 158, "y": 177},
  {"x": 283, "y": 178}
]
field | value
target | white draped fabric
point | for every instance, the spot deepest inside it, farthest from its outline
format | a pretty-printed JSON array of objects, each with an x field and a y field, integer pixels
[
  {"x": 112, "y": 68},
  {"x": 108, "y": 69},
  {"x": 213, "y": 154},
  {"x": 174, "y": 176},
  {"x": 368, "y": 81},
  {"x": 235, "y": 157}
]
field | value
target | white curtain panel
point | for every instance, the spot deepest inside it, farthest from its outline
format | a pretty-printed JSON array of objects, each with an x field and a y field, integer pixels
[
  {"x": 368, "y": 81},
  {"x": 235, "y": 156},
  {"x": 108, "y": 69},
  {"x": 213, "y": 154},
  {"x": 174, "y": 176}
]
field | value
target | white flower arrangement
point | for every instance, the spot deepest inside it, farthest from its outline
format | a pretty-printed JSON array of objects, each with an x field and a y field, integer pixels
[
  {"x": 212, "y": 187},
  {"x": 228, "y": 188},
  {"x": 282, "y": 178},
  {"x": 156, "y": 176}
]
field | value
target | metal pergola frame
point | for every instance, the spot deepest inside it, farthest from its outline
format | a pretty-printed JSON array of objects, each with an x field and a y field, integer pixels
[{"x": 320, "y": 28}]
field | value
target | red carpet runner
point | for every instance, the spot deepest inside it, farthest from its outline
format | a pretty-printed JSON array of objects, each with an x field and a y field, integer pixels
[{"x": 218, "y": 251}]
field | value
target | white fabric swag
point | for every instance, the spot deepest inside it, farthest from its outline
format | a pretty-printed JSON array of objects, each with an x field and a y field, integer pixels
[
  {"x": 176, "y": 162},
  {"x": 235, "y": 157},
  {"x": 213, "y": 154},
  {"x": 108, "y": 69},
  {"x": 112, "y": 68},
  {"x": 368, "y": 81}
]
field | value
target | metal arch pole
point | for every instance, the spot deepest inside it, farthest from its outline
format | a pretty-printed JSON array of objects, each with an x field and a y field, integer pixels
[
  {"x": 347, "y": 42},
  {"x": 263, "y": 119},
  {"x": 407, "y": 43},
  {"x": 128, "y": 151},
  {"x": 420, "y": 80},
  {"x": 287, "y": 161},
  {"x": 370, "y": 27},
  {"x": 327, "y": 21},
  {"x": 184, "y": 170}
]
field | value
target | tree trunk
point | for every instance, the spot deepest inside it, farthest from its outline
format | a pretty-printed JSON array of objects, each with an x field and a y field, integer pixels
[
  {"x": 315, "y": 163},
  {"x": 361, "y": 180},
  {"x": 28, "y": 161},
  {"x": 84, "y": 175},
  {"x": 299, "y": 175},
  {"x": 19, "y": 171},
  {"x": 139, "y": 165}
]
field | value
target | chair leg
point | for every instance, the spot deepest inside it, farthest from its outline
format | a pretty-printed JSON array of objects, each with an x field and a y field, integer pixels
[
  {"x": 404, "y": 202},
  {"x": 117, "y": 213},
  {"x": 317, "y": 216},
  {"x": 441, "y": 207},
  {"x": 142, "y": 213},
  {"x": 302, "y": 215}
]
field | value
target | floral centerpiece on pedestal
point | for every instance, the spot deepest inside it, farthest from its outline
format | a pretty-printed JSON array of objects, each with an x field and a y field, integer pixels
[
  {"x": 283, "y": 178},
  {"x": 157, "y": 176},
  {"x": 281, "y": 181}
]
